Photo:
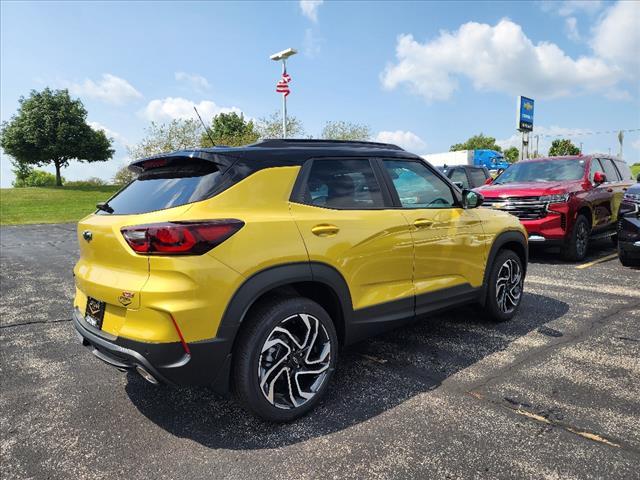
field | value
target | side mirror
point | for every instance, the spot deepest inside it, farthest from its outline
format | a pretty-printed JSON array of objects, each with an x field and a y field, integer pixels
[
  {"x": 599, "y": 178},
  {"x": 488, "y": 181},
  {"x": 459, "y": 185},
  {"x": 471, "y": 199}
]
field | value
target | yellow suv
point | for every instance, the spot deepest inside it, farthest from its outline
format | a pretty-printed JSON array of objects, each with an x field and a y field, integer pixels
[{"x": 247, "y": 269}]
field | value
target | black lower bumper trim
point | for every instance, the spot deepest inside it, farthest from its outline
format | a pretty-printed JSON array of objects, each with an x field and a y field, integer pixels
[{"x": 208, "y": 364}]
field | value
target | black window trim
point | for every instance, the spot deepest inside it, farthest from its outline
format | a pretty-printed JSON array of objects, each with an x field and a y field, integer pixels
[
  {"x": 297, "y": 193},
  {"x": 455, "y": 191}
]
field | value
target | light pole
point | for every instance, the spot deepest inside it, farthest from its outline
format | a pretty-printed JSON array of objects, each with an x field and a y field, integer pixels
[{"x": 276, "y": 57}]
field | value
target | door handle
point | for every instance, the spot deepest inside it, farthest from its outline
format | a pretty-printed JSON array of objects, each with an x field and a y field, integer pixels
[
  {"x": 624, "y": 189},
  {"x": 609, "y": 189},
  {"x": 422, "y": 223},
  {"x": 325, "y": 230}
]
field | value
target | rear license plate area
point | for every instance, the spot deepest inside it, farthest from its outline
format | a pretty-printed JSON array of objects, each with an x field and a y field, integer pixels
[{"x": 94, "y": 313}]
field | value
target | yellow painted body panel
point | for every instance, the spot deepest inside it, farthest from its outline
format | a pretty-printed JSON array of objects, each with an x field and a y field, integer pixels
[{"x": 372, "y": 249}]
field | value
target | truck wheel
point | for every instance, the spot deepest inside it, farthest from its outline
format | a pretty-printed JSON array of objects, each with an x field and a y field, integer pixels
[
  {"x": 578, "y": 243},
  {"x": 625, "y": 260},
  {"x": 285, "y": 357},
  {"x": 504, "y": 291}
]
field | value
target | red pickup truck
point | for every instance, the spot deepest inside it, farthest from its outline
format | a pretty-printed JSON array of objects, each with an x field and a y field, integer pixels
[{"x": 563, "y": 201}]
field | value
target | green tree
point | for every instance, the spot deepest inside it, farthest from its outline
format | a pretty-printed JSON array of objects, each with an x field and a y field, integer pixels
[
  {"x": 124, "y": 176},
  {"x": 340, "y": 130},
  {"x": 21, "y": 172},
  {"x": 51, "y": 127},
  {"x": 271, "y": 126},
  {"x": 477, "y": 142},
  {"x": 230, "y": 129},
  {"x": 37, "y": 178},
  {"x": 512, "y": 154},
  {"x": 563, "y": 146},
  {"x": 167, "y": 137}
]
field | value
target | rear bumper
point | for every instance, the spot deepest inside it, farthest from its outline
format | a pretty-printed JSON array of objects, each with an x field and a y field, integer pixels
[{"x": 209, "y": 362}]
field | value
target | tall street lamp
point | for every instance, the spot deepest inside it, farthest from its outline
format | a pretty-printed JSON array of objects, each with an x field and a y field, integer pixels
[{"x": 283, "y": 84}]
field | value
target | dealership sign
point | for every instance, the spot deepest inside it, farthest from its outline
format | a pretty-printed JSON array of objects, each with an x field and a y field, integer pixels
[{"x": 525, "y": 114}]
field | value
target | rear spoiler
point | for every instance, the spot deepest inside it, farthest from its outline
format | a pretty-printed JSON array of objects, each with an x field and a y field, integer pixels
[{"x": 174, "y": 158}]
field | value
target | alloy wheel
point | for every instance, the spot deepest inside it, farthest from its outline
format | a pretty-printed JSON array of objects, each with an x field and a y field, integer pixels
[
  {"x": 509, "y": 286},
  {"x": 294, "y": 361},
  {"x": 582, "y": 237}
]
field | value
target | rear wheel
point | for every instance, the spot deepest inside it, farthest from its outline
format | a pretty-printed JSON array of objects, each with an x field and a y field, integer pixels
[
  {"x": 578, "y": 243},
  {"x": 285, "y": 357},
  {"x": 504, "y": 291}
]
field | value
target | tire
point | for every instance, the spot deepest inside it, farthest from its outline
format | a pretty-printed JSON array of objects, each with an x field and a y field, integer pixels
[
  {"x": 281, "y": 340},
  {"x": 578, "y": 243},
  {"x": 625, "y": 260},
  {"x": 505, "y": 287}
]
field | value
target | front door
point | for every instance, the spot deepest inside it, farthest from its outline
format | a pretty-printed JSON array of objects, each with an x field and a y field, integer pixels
[{"x": 449, "y": 249}]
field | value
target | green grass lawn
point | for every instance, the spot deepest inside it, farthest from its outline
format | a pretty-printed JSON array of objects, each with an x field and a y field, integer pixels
[{"x": 50, "y": 205}]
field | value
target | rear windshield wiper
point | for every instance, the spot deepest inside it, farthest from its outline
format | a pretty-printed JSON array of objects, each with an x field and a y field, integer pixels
[{"x": 104, "y": 206}]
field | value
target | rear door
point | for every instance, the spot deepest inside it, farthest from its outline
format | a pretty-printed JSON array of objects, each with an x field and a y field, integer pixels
[
  {"x": 613, "y": 187},
  {"x": 599, "y": 197},
  {"x": 345, "y": 220}
]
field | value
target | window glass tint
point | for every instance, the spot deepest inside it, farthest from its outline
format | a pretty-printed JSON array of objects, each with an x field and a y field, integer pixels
[
  {"x": 624, "y": 170},
  {"x": 417, "y": 186},
  {"x": 542, "y": 171},
  {"x": 609, "y": 170},
  {"x": 349, "y": 184},
  {"x": 458, "y": 175},
  {"x": 478, "y": 177},
  {"x": 165, "y": 188},
  {"x": 595, "y": 167}
]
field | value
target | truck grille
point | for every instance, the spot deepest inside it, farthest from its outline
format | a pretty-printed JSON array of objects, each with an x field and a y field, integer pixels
[{"x": 525, "y": 208}]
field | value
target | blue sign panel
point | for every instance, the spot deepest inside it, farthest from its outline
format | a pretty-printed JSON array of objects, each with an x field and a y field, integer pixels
[{"x": 525, "y": 114}]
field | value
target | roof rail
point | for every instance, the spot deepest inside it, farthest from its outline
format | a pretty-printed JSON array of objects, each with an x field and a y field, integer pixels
[{"x": 312, "y": 142}]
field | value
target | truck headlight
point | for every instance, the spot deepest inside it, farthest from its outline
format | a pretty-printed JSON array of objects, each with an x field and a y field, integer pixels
[{"x": 557, "y": 198}]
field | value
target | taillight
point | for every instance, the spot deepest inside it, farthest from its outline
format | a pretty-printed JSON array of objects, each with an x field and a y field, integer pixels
[{"x": 179, "y": 238}]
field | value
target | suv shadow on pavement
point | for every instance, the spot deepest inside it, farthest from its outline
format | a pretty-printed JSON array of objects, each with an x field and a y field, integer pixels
[
  {"x": 539, "y": 254},
  {"x": 373, "y": 377}
]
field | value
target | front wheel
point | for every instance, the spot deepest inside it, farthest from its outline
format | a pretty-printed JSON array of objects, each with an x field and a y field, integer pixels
[
  {"x": 578, "y": 242},
  {"x": 625, "y": 260},
  {"x": 285, "y": 358},
  {"x": 505, "y": 288}
]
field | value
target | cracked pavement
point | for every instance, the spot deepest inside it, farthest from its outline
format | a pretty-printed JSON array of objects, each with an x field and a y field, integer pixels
[{"x": 553, "y": 394}]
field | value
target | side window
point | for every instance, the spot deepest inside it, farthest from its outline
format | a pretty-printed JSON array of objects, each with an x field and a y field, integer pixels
[
  {"x": 595, "y": 167},
  {"x": 478, "y": 177},
  {"x": 625, "y": 171},
  {"x": 343, "y": 184},
  {"x": 458, "y": 175},
  {"x": 609, "y": 170},
  {"x": 417, "y": 186}
]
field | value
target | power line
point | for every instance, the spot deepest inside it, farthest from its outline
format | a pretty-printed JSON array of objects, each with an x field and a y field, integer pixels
[{"x": 579, "y": 134}]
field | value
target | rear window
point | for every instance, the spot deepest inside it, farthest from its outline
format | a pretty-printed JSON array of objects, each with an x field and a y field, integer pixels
[
  {"x": 162, "y": 188},
  {"x": 478, "y": 177}
]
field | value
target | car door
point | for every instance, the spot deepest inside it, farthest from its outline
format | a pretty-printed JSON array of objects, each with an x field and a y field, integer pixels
[
  {"x": 347, "y": 222},
  {"x": 613, "y": 188},
  {"x": 450, "y": 254},
  {"x": 599, "y": 197}
]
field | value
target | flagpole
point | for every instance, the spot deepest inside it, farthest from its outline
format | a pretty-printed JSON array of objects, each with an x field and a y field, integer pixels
[{"x": 284, "y": 103}]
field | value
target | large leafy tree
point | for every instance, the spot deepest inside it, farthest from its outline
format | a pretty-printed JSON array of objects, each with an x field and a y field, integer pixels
[
  {"x": 512, "y": 154},
  {"x": 341, "y": 130},
  {"x": 561, "y": 147},
  {"x": 167, "y": 137},
  {"x": 51, "y": 128},
  {"x": 230, "y": 129},
  {"x": 271, "y": 126},
  {"x": 477, "y": 142}
]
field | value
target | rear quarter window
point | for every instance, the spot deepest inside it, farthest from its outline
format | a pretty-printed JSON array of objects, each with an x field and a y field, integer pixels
[{"x": 163, "y": 188}]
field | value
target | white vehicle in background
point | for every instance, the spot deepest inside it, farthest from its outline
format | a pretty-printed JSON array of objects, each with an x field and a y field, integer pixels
[{"x": 490, "y": 159}]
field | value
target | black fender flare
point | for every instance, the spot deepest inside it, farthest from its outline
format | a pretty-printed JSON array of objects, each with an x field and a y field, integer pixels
[{"x": 503, "y": 238}]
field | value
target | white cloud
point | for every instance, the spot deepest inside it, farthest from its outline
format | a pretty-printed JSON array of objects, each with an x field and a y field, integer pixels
[
  {"x": 494, "y": 58},
  {"x": 618, "y": 95},
  {"x": 311, "y": 43},
  {"x": 109, "y": 133},
  {"x": 636, "y": 144},
  {"x": 310, "y": 8},
  {"x": 110, "y": 89},
  {"x": 170, "y": 108},
  {"x": 405, "y": 139},
  {"x": 616, "y": 37},
  {"x": 571, "y": 27},
  {"x": 195, "y": 81}
]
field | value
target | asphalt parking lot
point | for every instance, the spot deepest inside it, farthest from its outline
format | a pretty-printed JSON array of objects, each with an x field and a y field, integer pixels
[{"x": 553, "y": 394}]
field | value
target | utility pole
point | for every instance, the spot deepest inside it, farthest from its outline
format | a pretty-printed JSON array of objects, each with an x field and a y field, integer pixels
[
  {"x": 620, "y": 139},
  {"x": 283, "y": 84}
]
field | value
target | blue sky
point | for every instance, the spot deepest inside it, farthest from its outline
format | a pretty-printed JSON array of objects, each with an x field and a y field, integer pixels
[{"x": 422, "y": 74}]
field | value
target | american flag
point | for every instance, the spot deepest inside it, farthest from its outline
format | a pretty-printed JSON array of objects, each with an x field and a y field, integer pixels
[{"x": 283, "y": 84}]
